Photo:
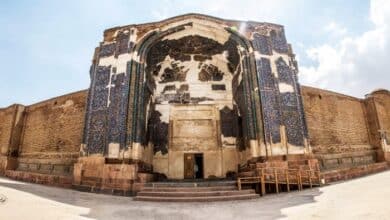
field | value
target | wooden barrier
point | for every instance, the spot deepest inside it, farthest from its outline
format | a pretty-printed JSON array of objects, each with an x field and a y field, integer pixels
[{"x": 282, "y": 176}]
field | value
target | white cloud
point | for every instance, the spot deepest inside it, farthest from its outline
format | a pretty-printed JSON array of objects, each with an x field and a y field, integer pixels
[
  {"x": 335, "y": 29},
  {"x": 355, "y": 65}
]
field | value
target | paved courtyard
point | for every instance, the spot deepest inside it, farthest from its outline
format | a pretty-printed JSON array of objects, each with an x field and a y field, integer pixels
[{"x": 363, "y": 198}]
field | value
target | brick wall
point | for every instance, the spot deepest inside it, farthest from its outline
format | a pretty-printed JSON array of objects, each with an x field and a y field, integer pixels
[
  {"x": 372, "y": 122},
  {"x": 6, "y": 123},
  {"x": 378, "y": 109},
  {"x": 338, "y": 128},
  {"x": 52, "y": 134},
  {"x": 11, "y": 124},
  {"x": 382, "y": 101}
]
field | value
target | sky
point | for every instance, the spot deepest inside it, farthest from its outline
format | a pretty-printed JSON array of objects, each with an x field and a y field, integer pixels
[{"x": 47, "y": 46}]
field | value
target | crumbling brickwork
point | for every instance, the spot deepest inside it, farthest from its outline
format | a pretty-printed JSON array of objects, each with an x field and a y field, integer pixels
[
  {"x": 382, "y": 101},
  {"x": 52, "y": 134},
  {"x": 378, "y": 118},
  {"x": 336, "y": 122},
  {"x": 6, "y": 124},
  {"x": 339, "y": 128},
  {"x": 11, "y": 124}
]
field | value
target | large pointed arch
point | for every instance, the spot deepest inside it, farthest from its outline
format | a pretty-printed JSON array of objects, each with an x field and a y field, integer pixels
[{"x": 136, "y": 116}]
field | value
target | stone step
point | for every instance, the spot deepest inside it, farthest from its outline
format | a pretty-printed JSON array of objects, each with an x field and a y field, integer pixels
[
  {"x": 194, "y": 191},
  {"x": 191, "y": 184},
  {"x": 196, "y": 199},
  {"x": 195, "y": 194},
  {"x": 353, "y": 172},
  {"x": 188, "y": 189}
]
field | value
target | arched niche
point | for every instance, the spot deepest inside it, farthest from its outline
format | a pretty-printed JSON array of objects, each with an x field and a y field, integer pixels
[{"x": 143, "y": 83}]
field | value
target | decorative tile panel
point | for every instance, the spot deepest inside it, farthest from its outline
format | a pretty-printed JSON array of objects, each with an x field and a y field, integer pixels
[
  {"x": 262, "y": 43},
  {"x": 279, "y": 43},
  {"x": 107, "y": 50}
]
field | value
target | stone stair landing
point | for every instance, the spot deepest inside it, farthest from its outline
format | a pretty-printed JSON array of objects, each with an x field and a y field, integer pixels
[{"x": 197, "y": 191}]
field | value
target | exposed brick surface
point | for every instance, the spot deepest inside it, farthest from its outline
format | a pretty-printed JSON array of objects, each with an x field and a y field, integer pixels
[
  {"x": 382, "y": 105},
  {"x": 53, "y": 128},
  {"x": 336, "y": 122},
  {"x": 344, "y": 131},
  {"x": 6, "y": 123}
]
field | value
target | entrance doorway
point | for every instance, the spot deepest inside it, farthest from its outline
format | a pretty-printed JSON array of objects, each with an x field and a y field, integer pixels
[{"x": 193, "y": 166}]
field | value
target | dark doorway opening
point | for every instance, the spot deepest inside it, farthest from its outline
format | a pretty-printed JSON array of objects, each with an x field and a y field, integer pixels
[
  {"x": 193, "y": 166},
  {"x": 198, "y": 166}
]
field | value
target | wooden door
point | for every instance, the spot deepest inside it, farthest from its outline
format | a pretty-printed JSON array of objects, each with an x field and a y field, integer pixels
[{"x": 189, "y": 161}]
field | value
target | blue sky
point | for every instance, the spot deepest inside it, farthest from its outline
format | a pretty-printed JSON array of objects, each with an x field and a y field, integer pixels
[{"x": 47, "y": 46}]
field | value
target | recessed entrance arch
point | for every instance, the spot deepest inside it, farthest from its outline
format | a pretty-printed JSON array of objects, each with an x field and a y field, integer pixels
[{"x": 184, "y": 63}]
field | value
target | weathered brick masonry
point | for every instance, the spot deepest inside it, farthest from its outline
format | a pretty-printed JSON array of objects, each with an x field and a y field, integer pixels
[
  {"x": 43, "y": 138},
  {"x": 337, "y": 126},
  {"x": 345, "y": 132},
  {"x": 9, "y": 136}
]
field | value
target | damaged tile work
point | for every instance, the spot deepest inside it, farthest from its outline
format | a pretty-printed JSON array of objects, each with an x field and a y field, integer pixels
[
  {"x": 184, "y": 71},
  {"x": 279, "y": 89},
  {"x": 187, "y": 66},
  {"x": 106, "y": 117}
]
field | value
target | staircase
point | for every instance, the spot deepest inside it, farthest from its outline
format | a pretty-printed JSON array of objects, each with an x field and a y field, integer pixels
[{"x": 197, "y": 191}]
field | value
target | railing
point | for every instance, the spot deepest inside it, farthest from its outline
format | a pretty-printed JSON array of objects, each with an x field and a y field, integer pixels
[{"x": 278, "y": 176}]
